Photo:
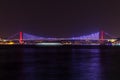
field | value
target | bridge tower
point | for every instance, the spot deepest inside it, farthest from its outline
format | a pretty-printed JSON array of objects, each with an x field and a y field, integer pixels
[
  {"x": 101, "y": 35},
  {"x": 21, "y": 37}
]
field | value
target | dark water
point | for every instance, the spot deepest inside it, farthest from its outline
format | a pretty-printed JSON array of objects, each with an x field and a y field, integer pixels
[{"x": 59, "y": 64}]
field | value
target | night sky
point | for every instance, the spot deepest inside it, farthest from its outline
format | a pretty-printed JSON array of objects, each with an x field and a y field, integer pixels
[{"x": 55, "y": 18}]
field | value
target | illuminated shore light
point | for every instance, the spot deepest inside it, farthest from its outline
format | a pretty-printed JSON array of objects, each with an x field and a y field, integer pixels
[{"x": 47, "y": 44}]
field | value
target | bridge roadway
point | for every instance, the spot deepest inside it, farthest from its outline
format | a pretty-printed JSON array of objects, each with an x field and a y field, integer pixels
[
  {"x": 50, "y": 41},
  {"x": 62, "y": 41}
]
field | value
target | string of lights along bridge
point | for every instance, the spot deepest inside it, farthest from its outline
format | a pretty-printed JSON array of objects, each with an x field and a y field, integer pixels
[{"x": 96, "y": 38}]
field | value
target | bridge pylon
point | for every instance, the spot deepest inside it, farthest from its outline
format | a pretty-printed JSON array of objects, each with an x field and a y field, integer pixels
[
  {"x": 21, "y": 37},
  {"x": 101, "y": 35}
]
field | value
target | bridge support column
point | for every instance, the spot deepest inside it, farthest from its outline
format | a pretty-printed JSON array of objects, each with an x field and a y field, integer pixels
[
  {"x": 101, "y": 37},
  {"x": 21, "y": 37}
]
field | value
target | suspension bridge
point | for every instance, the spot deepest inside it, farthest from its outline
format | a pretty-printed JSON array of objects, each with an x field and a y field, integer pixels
[{"x": 25, "y": 38}]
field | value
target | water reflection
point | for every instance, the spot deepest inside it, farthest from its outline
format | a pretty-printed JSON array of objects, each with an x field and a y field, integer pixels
[
  {"x": 28, "y": 64},
  {"x": 59, "y": 64},
  {"x": 86, "y": 64},
  {"x": 42, "y": 64}
]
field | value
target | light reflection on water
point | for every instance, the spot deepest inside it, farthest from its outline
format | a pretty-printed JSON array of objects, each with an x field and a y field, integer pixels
[
  {"x": 86, "y": 64},
  {"x": 28, "y": 65},
  {"x": 59, "y": 64}
]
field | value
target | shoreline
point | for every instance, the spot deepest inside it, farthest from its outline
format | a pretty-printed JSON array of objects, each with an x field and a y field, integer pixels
[{"x": 62, "y": 46}]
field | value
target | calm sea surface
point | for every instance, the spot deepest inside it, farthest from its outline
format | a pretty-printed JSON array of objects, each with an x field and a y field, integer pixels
[{"x": 29, "y": 63}]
